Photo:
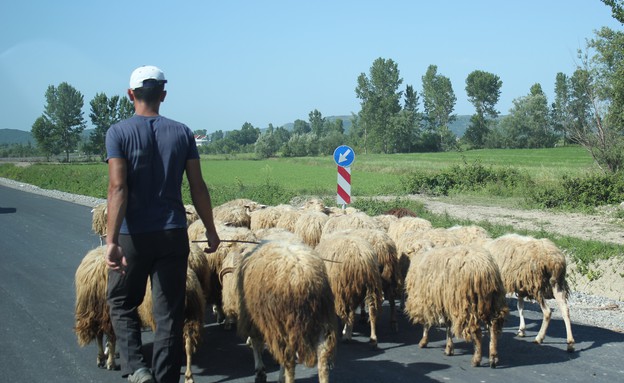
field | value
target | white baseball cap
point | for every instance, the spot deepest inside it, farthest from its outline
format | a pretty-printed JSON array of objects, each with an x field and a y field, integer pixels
[{"x": 146, "y": 72}]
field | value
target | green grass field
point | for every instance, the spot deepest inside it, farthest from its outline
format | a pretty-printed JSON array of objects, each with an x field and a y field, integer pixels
[{"x": 371, "y": 174}]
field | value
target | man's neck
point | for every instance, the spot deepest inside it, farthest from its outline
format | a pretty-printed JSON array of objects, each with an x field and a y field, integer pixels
[{"x": 147, "y": 110}]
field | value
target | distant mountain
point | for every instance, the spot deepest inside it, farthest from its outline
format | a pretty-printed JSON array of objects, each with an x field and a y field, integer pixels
[{"x": 15, "y": 136}]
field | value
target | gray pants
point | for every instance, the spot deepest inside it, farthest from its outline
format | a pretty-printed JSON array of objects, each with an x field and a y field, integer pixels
[{"x": 162, "y": 256}]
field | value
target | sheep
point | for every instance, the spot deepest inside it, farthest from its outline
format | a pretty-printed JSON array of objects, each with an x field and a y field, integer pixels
[
  {"x": 357, "y": 220},
  {"x": 267, "y": 217},
  {"x": 99, "y": 217},
  {"x": 534, "y": 269},
  {"x": 288, "y": 220},
  {"x": 404, "y": 224},
  {"x": 384, "y": 220},
  {"x": 195, "y": 307},
  {"x": 440, "y": 237},
  {"x": 386, "y": 253},
  {"x": 191, "y": 214},
  {"x": 471, "y": 234},
  {"x": 315, "y": 204},
  {"x": 231, "y": 241},
  {"x": 334, "y": 211},
  {"x": 236, "y": 212},
  {"x": 91, "y": 312},
  {"x": 401, "y": 212},
  {"x": 459, "y": 286},
  {"x": 98, "y": 220},
  {"x": 409, "y": 247},
  {"x": 285, "y": 300},
  {"x": 354, "y": 276},
  {"x": 309, "y": 227}
]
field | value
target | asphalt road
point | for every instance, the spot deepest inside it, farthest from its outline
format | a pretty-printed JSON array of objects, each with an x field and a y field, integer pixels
[{"x": 42, "y": 241}]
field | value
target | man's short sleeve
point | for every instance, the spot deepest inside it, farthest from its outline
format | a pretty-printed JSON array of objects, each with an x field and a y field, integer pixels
[{"x": 113, "y": 144}]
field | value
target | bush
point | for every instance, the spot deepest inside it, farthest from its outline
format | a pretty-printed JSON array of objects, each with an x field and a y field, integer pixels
[
  {"x": 582, "y": 192},
  {"x": 465, "y": 177}
]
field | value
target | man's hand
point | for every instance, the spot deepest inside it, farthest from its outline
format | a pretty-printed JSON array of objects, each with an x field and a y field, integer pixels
[
  {"x": 213, "y": 242},
  {"x": 115, "y": 258}
]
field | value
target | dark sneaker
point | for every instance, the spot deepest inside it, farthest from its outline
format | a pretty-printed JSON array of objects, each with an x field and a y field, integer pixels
[{"x": 142, "y": 375}]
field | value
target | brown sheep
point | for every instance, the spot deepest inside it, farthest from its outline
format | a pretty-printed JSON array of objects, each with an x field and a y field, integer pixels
[
  {"x": 233, "y": 238},
  {"x": 285, "y": 301},
  {"x": 195, "y": 307},
  {"x": 534, "y": 269},
  {"x": 461, "y": 287},
  {"x": 354, "y": 277},
  {"x": 92, "y": 314},
  {"x": 386, "y": 252}
]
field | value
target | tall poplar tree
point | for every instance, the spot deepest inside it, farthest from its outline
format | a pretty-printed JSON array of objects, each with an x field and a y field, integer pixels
[
  {"x": 380, "y": 101},
  {"x": 483, "y": 90}
]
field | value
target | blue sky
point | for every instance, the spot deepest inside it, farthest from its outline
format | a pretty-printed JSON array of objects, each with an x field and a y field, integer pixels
[{"x": 231, "y": 62}]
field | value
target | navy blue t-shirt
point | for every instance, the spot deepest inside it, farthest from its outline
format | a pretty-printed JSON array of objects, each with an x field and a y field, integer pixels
[{"x": 156, "y": 150}]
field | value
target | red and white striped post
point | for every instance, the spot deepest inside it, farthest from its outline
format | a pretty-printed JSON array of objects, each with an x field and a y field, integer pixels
[
  {"x": 344, "y": 156},
  {"x": 344, "y": 185}
]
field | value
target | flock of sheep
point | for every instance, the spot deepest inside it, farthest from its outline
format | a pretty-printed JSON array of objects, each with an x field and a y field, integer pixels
[{"x": 286, "y": 276}]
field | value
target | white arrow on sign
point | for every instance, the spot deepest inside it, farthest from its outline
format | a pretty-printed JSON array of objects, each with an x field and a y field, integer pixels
[{"x": 343, "y": 157}]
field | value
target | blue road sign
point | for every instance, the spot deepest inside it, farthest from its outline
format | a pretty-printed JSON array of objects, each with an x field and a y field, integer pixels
[{"x": 344, "y": 156}]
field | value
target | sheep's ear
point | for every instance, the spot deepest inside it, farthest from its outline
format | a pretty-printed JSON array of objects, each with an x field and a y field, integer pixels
[{"x": 228, "y": 224}]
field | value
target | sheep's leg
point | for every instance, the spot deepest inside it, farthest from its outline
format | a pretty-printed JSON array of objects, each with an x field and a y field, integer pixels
[
  {"x": 494, "y": 343},
  {"x": 287, "y": 372},
  {"x": 257, "y": 345},
  {"x": 373, "y": 309},
  {"x": 101, "y": 357},
  {"x": 547, "y": 314},
  {"x": 565, "y": 313},
  {"x": 425, "y": 337},
  {"x": 347, "y": 331},
  {"x": 522, "y": 328},
  {"x": 363, "y": 316},
  {"x": 325, "y": 352},
  {"x": 449, "y": 350},
  {"x": 393, "y": 319},
  {"x": 476, "y": 340},
  {"x": 188, "y": 347},
  {"x": 110, "y": 362}
]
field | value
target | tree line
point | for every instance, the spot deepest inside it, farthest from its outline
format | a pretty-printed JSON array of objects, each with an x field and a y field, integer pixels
[{"x": 588, "y": 109}]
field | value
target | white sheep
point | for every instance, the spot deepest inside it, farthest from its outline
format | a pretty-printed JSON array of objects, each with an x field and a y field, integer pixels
[
  {"x": 534, "y": 269},
  {"x": 357, "y": 220},
  {"x": 267, "y": 217},
  {"x": 405, "y": 224},
  {"x": 354, "y": 276},
  {"x": 309, "y": 227},
  {"x": 461, "y": 287},
  {"x": 471, "y": 234},
  {"x": 285, "y": 300},
  {"x": 236, "y": 212}
]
